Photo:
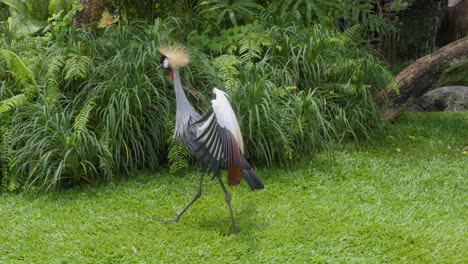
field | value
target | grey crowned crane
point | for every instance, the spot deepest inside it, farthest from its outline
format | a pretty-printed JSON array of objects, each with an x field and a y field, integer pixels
[{"x": 214, "y": 139}]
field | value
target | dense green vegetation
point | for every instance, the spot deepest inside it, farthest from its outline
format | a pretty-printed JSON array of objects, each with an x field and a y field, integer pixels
[
  {"x": 457, "y": 74},
  {"x": 81, "y": 104},
  {"x": 399, "y": 199},
  {"x": 87, "y": 117}
]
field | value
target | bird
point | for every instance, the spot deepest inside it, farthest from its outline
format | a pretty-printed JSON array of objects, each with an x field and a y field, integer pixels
[{"x": 214, "y": 138}]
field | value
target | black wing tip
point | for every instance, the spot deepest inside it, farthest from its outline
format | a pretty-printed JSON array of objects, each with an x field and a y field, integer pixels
[
  {"x": 251, "y": 178},
  {"x": 261, "y": 187},
  {"x": 258, "y": 185}
]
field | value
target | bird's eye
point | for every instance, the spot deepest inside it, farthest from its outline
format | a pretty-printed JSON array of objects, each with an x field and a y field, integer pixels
[{"x": 164, "y": 62}]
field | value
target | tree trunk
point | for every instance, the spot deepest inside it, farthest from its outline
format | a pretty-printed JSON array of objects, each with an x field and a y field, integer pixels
[
  {"x": 419, "y": 77},
  {"x": 91, "y": 13}
]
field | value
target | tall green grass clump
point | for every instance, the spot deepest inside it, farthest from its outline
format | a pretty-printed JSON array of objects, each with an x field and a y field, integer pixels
[
  {"x": 296, "y": 88},
  {"x": 132, "y": 105},
  {"x": 99, "y": 111},
  {"x": 78, "y": 106},
  {"x": 52, "y": 151}
]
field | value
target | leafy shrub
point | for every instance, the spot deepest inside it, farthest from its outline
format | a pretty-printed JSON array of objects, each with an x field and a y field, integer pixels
[
  {"x": 94, "y": 106},
  {"x": 456, "y": 74},
  {"x": 228, "y": 10},
  {"x": 100, "y": 113},
  {"x": 131, "y": 104},
  {"x": 52, "y": 151},
  {"x": 301, "y": 88}
]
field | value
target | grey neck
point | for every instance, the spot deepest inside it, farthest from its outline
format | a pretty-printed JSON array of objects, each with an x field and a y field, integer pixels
[
  {"x": 181, "y": 100},
  {"x": 185, "y": 113}
]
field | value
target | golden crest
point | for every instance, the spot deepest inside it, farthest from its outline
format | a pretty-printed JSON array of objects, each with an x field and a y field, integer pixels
[{"x": 177, "y": 55}]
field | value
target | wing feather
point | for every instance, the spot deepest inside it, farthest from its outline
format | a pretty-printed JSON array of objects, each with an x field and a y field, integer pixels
[
  {"x": 226, "y": 117},
  {"x": 219, "y": 140}
]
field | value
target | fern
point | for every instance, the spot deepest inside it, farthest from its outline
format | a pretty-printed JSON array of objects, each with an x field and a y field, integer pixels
[
  {"x": 5, "y": 75},
  {"x": 9, "y": 180},
  {"x": 10, "y": 104},
  {"x": 22, "y": 74},
  {"x": 178, "y": 154},
  {"x": 227, "y": 66},
  {"x": 55, "y": 6},
  {"x": 250, "y": 47},
  {"x": 52, "y": 77},
  {"x": 81, "y": 120},
  {"x": 77, "y": 67},
  {"x": 308, "y": 10},
  {"x": 106, "y": 161},
  {"x": 227, "y": 10},
  {"x": 253, "y": 42},
  {"x": 354, "y": 32},
  {"x": 39, "y": 9}
]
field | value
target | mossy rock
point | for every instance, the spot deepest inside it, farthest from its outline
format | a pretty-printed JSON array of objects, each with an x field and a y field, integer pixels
[{"x": 455, "y": 75}]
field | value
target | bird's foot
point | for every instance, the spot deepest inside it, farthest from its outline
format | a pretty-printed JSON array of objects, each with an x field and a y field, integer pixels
[
  {"x": 173, "y": 220},
  {"x": 234, "y": 230}
]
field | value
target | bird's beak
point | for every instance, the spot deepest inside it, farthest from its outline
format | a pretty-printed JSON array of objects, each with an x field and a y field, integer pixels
[{"x": 159, "y": 66}]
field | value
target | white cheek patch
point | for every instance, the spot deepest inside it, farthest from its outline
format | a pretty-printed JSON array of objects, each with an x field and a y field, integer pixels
[{"x": 166, "y": 63}]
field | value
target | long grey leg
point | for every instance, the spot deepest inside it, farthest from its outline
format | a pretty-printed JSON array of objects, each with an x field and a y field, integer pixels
[
  {"x": 227, "y": 197},
  {"x": 197, "y": 195}
]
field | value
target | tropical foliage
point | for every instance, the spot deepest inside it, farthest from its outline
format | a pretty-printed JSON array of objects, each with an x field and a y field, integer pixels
[{"x": 83, "y": 105}]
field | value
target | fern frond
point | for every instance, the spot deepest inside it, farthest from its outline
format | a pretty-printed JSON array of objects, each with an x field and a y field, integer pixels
[
  {"x": 39, "y": 9},
  {"x": 226, "y": 64},
  {"x": 354, "y": 32},
  {"x": 81, "y": 120},
  {"x": 106, "y": 162},
  {"x": 251, "y": 45},
  {"x": 77, "y": 67},
  {"x": 249, "y": 49},
  {"x": 10, "y": 104},
  {"x": 55, "y": 6},
  {"x": 52, "y": 77},
  {"x": 390, "y": 79},
  {"x": 9, "y": 180},
  {"x": 5, "y": 75},
  {"x": 178, "y": 154},
  {"x": 22, "y": 74}
]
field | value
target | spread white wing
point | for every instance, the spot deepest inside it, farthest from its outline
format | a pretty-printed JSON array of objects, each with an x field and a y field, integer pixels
[{"x": 220, "y": 140}]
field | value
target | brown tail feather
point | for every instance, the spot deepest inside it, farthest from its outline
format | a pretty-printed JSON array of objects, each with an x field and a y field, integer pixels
[{"x": 234, "y": 175}]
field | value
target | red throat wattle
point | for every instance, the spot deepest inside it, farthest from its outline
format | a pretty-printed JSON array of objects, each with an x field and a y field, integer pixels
[{"x": 171, "y": 74}]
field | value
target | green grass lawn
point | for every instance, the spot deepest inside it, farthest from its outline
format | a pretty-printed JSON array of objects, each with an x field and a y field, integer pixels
[{"x": 399, "y": 199}]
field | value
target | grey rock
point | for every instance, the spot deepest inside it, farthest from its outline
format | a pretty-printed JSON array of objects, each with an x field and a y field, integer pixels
[{"x": 448, "y": 98}]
